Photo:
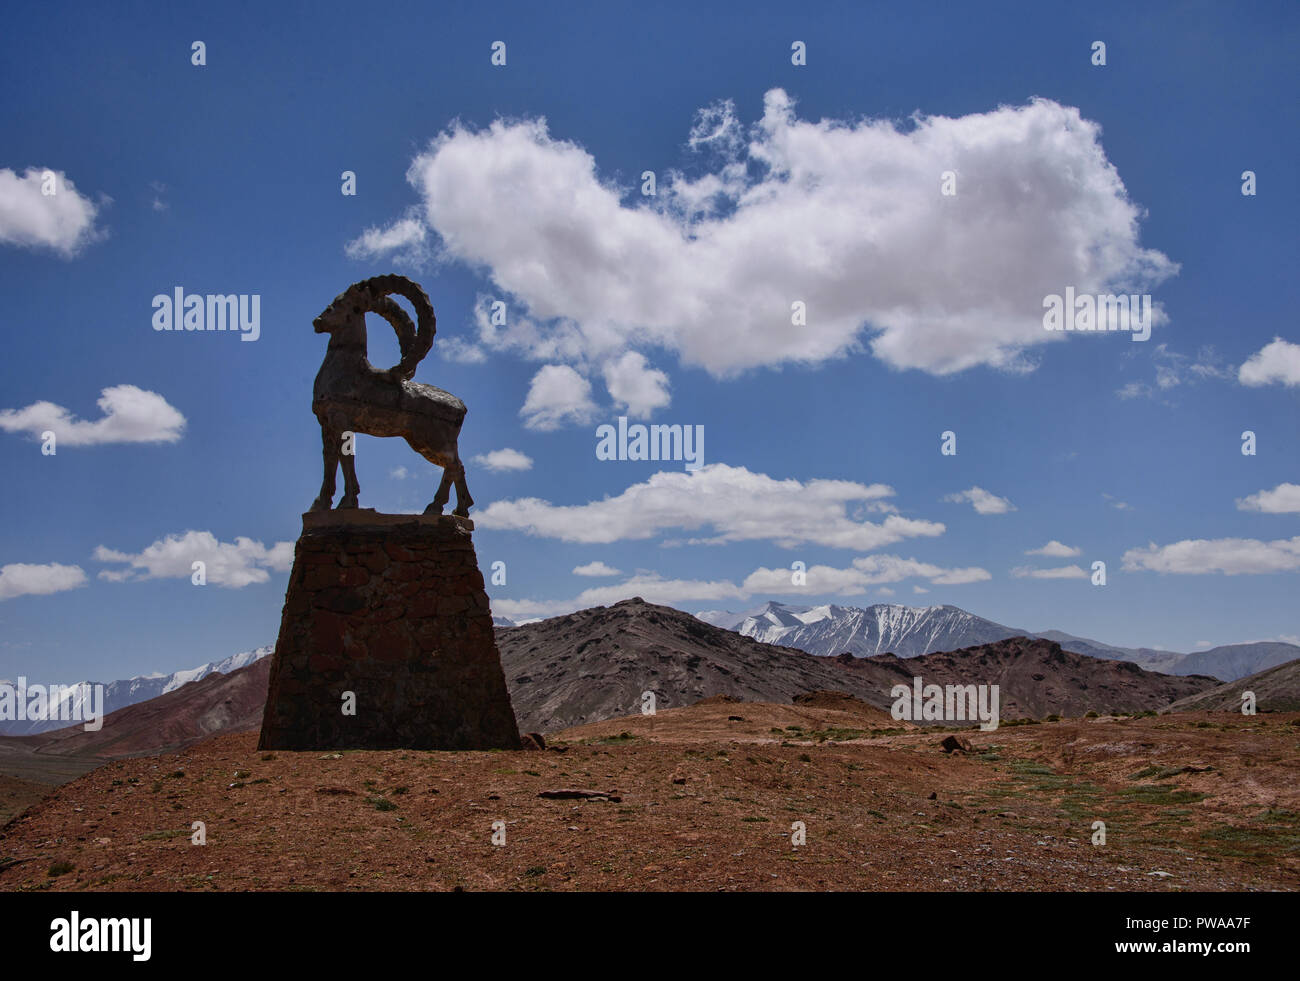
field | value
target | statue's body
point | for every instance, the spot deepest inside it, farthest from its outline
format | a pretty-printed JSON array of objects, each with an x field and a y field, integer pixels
[{"x": 350, "y": 395}]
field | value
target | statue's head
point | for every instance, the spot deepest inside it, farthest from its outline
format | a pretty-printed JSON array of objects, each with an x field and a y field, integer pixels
[
  {"x": 345, "y": 318},
  {"x": 346, "y": 308}
]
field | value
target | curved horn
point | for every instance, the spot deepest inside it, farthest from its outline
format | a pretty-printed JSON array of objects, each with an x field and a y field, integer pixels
[
  {"x": 372, "y": 296},
  {"x": 405, "y": 330},
  {"x": 428, "y": 324}
]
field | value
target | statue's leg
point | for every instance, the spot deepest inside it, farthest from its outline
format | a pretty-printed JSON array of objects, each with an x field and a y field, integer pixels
[
  {"x": 463, "y": 501},
  {"x": 351, "y": 488},
  {"x": 444, "y": 491},
  {"x": 330, "y": 451},
  {"x": 423, "y": 441},
  {"x": 338, "y": 424}
]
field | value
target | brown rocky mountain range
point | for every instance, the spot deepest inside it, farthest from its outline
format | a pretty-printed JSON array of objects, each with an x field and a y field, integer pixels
[
  {"x": 1036, "y": 678},
  {"x": 218, "y": 703},
  {"x": 595, "y": 664},
  {"x": 1276, "y": 690}
]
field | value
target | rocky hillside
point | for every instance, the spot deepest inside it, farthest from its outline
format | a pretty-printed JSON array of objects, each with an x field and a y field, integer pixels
[
  {"x": 132, "y": 691},
  {"x": 1276, "y": 690},
  {"x": 595, "y": 664},
  {"x": 217, "y": 703},
  {"x": 1037, "y": 678},
  {"x": 1234, "y": 661}
]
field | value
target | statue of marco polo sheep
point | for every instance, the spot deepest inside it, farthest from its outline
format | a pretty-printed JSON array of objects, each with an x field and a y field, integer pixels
[{"x": 351, "y": 396}]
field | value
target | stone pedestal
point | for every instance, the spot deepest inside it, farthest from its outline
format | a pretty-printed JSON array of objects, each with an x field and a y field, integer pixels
[{"x": 391, "y": 608}]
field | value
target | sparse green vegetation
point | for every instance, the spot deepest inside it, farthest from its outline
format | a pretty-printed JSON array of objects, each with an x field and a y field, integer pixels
[
  {"x": 835, "y": 733},
  {"x": 1159, "y": 794},
  {"x": 1160, "y": 773},
  {"x": 1029, "y": 768},
  {"x": 166, "y": 835},
  {"x": 621, "y": 739}
]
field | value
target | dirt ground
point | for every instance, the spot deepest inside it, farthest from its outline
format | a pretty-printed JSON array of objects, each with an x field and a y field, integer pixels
[{"x": 703, "y": 798}]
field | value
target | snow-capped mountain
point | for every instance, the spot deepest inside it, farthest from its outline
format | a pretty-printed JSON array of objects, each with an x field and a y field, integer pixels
[
  {"x": 907, "y": 631},
  {"x": 120, "y": 694}
]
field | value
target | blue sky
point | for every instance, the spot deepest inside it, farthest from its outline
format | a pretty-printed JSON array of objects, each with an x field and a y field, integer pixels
[{"x": 776, "y": 183}]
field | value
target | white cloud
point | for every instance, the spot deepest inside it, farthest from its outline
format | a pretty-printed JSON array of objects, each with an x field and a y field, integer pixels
[
  {"x": 557, "y": 395},
  {"x": 23, "y": 579},
  {"x": 459, "y": 351},
  {"x": 1135, "y": 390},
  {"x": 504, "y": 459},
  {"x": 131, "y": 415},
  {"x": 159, "y": 189},
  {"x": 63, "y": 221},
  {"x": 1278, "y": 361},
  {"x": 1173, "y": 369},
  {"x": 405, "y": 237},
  {"x": 233, "y": 565},
  {"x": 919, "y": 589},
  {"x": 1282, "y": 499},
  {"x": 398, "y": 473},
  {"x": 735, "y": 504},
  {"x": 870, "y": 570},
  {"x": 1055, "y": 550},
  {"x": 1060, "y": 572},
  {"x": 596, "y": 569},
  {"x": 845, "y": 215},
  {"x": 982, "y": 501},
  {"x": 885, "y": 591},
  {"x": 636, "y": 386},
  {"x": 1230, "y": 556},
  {"x": 650, "y": 587}
]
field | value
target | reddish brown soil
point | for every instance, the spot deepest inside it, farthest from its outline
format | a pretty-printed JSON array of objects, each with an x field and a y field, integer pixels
[
  {"x": 706, "y": 802},
  {"x": 18, "y": 795}
]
